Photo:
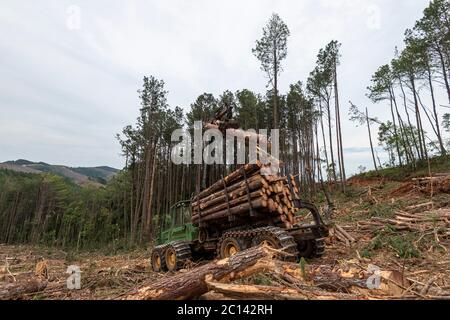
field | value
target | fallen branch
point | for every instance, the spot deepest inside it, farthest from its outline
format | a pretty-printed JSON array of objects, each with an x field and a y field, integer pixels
[
  {"x": 16, "y": 289},
  {"x": 191, "y": 284},
  {"x": 250, "y": 292}
]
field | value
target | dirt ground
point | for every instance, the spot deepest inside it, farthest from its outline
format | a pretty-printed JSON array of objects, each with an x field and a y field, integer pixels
[
  {"x": 102, "y": 277},
  {"x": 417, "y": 250}
]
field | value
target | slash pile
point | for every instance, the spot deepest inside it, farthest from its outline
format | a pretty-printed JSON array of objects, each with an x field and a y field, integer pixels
[
  {"x": 434, "y": 220},
  {"x": 434, "y": 184},
  {"x": 247, "y": 192}
]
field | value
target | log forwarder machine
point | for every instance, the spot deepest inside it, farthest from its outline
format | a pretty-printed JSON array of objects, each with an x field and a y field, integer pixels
[{"x": 184, "y": 237}]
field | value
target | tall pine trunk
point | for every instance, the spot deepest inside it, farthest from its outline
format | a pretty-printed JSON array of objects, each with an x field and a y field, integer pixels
[
  {"x": 370, "y": 139},
  {"x": 339, "y": 131},
  {"x": 333, "y": 165},
  {"x": 422, "y": 144},
  {"x": 436, "y": 117}
]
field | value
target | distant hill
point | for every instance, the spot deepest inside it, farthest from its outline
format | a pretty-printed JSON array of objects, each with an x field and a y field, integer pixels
[{"x": 80, "y": 175}]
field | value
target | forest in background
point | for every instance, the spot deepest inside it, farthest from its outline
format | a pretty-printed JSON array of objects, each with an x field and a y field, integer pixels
[{"x": 48, "y": 209}]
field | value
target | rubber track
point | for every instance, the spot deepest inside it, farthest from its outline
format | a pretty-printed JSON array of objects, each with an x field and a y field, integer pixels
[
  {"x": 284, "y": 239},
  {"x": 182, "y": 251},
  {"x": 319, "y": 247},
  {"x": 161, "y": 249}
]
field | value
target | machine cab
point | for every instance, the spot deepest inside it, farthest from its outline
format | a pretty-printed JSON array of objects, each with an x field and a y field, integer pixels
[{"x": 177, "y": 224}]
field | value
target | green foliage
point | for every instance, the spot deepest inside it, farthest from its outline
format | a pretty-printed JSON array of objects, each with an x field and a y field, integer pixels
[
  {"x": 202, "y": 109},
  {"x": 390, "y": 138},
  {"x": 401, "y": 245},
  {"x": 50, "y": 210},
  {"x": 446, "y": 122},
  {"x": 417, "y": 68},
  {"x": 271, "y": 49},
  {"x": 320, "y": 81},
  {"x": 98, "y": 173},
  {"x": 382, "y": 82},
  {"x": 78, "y": 175},
  {"x": 302, "y": 264},
  {"x": 369, "y": 249},
  {"x": 434, "y": 26},
  {"x": 252, "y": 112},
  {"x": 299, "y": 108},
  {"x": 382, "y": 210},
  {"x": 259, "y": 279},
  {"x": 446, "y": 126}
]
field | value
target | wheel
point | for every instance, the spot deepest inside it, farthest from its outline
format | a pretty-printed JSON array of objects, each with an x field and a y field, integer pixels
[
  {"x": 157, "y": 261},
  {"x": 171, "y": 259},
  {"x": 305, "y": 248},
  {"x": 229, "y": 247},
  {"x": 177, "y": 254},
  {"x": 279, "y": 239},
  {"x": 266, "y": 240},
  {"x": 314, "y": 248}
]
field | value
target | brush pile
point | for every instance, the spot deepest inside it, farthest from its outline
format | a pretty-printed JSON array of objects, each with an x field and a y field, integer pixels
[
  {"x": 439, "y": 183},
  {"x": 435, "y": 221}
]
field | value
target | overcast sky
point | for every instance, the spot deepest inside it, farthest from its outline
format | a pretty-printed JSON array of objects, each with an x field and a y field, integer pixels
[{"x": 69, "y": 70}]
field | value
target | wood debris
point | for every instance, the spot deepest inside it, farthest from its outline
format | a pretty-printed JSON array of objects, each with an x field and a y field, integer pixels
[
  {"x": 347, "y": 280},
  {"x": 434, "y": 184},
  {"x": 342, "y": 235},
  {"x": 16, "y": 289},
  {"x": 437, "y": 220}
]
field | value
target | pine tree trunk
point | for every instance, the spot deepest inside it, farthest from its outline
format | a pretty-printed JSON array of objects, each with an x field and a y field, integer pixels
[
  {"x": 409, "y": 120},
  {"x": 333, "y": 165},
  {"x": 275, "y": 87},
  {"x": 148, "y": 227},
  {"x": 444, "y": 72},
  {"x": 436, "y": 117},
  {"x": 370, "y": 139},
  {"x": 323, "y": 136},
  {"x": 404, "y": 137},
  {"x": 395, "y": 131},
  {"x": 422, "y": 144},
  {"x": 339, "y": 130}
]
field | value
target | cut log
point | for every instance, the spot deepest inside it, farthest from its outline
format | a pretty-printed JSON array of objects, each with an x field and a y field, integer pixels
[
  {"x": 419, "y": 207},
  {"x": 191, "y": 284},
  {"x": 345, "y": 233},
  {"x": 229, "y": 197},
  {"x": 248, "y": 292},
  {"x": 16, "y": 289},
  {"x": 244, "y": 135},
  {"x": 249, "y": 169},
  {"x": 255, "y": 181},
  {"x": 236, "y": 210},
  {"x": 234, "y": 202}
]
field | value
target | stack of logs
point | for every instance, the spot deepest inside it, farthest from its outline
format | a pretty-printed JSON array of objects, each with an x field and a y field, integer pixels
[{"x": 244, "y": 192}]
